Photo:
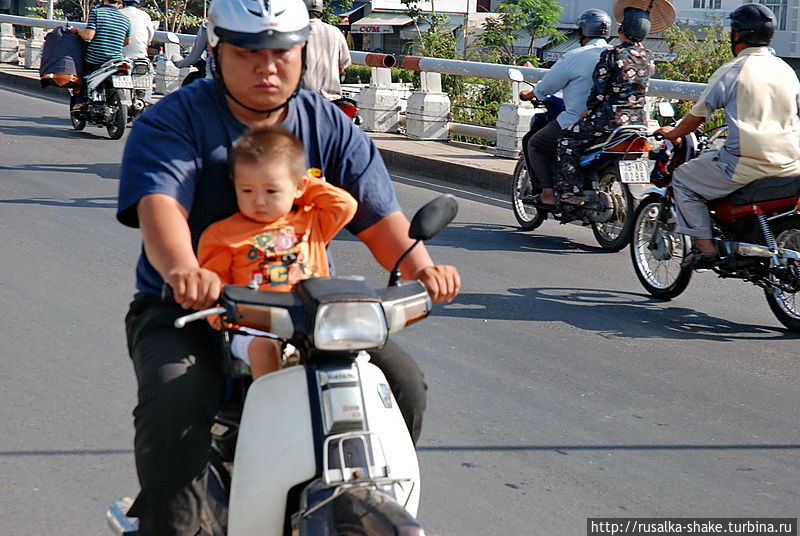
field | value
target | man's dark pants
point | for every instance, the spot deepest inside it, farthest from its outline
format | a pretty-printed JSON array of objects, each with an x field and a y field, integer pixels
[
  {"x": 180, "y": 388},
  {"x": 542, "y": 154}
]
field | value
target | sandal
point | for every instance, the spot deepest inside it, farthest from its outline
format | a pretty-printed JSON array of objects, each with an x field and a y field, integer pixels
[
  {"x": 699, "y": 260},
  {"x": 536, "y": 201}
]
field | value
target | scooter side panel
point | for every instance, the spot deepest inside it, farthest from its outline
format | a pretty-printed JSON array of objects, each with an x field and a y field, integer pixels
[
  {"x": 274, "y": 452},
  {"x": 384, "y": 418}
]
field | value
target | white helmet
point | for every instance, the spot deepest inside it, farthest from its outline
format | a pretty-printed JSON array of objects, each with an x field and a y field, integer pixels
[{"x": 258, "y": 24}]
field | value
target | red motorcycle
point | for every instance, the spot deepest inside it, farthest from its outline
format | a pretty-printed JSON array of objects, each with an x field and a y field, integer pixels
[{"x": 756, "y": 230}]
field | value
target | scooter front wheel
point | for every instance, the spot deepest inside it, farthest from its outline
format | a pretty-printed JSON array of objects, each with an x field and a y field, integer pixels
[
  {"x": 657, "y": 250},
  {"x": 528, "y": 216}
]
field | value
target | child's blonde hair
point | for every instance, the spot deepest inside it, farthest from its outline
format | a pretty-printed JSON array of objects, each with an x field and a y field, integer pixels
[{"x": 271, "y": 144}]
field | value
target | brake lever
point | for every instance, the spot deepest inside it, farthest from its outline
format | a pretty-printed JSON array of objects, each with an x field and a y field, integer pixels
[{"x": 205, "y": 313}]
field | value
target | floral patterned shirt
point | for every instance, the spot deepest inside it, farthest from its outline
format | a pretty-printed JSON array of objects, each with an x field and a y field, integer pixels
[{"x": 620, "y": 82}]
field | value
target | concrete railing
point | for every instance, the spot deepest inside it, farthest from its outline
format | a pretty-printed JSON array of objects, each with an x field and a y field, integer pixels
[{"x": 427, "y": 113}]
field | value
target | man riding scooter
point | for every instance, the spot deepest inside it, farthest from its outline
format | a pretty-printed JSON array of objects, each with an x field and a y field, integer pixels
[
  {"x": 760, "y": 94},
  {"x": 572, "y": 75}
]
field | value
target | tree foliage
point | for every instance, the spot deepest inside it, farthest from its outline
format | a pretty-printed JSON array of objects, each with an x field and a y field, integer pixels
[
  {"x": 529, "y": 19},
  {"x": 697, "y": 55}
]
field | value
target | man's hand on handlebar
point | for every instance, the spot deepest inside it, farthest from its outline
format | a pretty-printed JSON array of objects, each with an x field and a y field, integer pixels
[
  {"x": 194, "y": 288},
  {"x": 442, "y": 282},
  {"x": 527, "y": 95}
]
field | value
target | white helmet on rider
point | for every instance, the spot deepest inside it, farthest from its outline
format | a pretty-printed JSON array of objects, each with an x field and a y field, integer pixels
[{"x": 258, "y": 24}]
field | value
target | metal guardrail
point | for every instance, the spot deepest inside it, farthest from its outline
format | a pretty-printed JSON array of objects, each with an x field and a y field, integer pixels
[
  {"x": 669, "y": 89},
  {"x": 160, "y": 37}
]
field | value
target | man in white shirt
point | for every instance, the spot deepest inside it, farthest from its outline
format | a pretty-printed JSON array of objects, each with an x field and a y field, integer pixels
[
  {"x": 572, "y": 75},
  {"x": 142, "y": 30},
  {"x": 327, "y": 55}
]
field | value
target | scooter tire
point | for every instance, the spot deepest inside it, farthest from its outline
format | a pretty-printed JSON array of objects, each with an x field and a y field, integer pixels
[
  {"x": 528, "y": 217},
  {"x": 77, "y": 119},
  {"x": 117, "y": 127},
  {"x": 610, "y": 182},
  {"x": 786, "y": 306},
  {"x": 362, "y": 511}
]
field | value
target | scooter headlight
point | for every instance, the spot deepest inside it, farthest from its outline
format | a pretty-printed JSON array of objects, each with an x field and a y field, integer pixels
[{"x": 350, "y": 326}]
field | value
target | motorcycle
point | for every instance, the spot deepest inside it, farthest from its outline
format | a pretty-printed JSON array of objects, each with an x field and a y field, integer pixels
[
  {"x": 109, "y": 97},
  {"x": 756, "y": 232},
  {"x": 613, "y": 165},
  {"x": 350, "y": 109},
  {"x": 319, "y": 447},
  {"x": 142, "y": 78}
]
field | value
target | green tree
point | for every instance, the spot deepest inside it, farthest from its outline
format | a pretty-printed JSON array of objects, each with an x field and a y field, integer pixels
[
  {"x": 329, "y": 15},
  {"x": 531, "y": 19},
  {"x": 698, "y": 53}
]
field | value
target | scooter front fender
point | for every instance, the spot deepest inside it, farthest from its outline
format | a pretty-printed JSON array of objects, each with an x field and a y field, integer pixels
[{"x": 274, "y": 452}]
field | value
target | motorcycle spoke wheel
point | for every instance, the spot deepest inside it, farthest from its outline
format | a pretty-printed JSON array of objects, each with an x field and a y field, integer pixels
[
  {"x": 528, "y": 216},
  {"x": 784, "y": 304},
  {"x": 657, "y": 252},
  {"x": 615, "y": 234}
]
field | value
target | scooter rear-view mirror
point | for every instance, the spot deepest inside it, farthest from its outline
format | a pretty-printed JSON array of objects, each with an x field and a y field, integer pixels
[
  {"x": 515, "y": 75},
  {"x": 433, "y": 217},
  {"x": 665, "y": 109}
]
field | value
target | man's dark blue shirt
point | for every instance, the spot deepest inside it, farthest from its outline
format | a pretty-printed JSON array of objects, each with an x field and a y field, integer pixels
[{"x": 180, "y": 147}]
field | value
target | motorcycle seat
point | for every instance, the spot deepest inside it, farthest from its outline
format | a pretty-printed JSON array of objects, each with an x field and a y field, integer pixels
[
  {"x": 619, "y": 134},
  {"x": 766, "y": 189}
]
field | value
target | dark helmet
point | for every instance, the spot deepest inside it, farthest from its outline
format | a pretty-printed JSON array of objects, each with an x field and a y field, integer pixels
[
  {"x": 755, "y": 24},
  {"x": 595, "y": 23},
  {"x": 635, "y": 24}
]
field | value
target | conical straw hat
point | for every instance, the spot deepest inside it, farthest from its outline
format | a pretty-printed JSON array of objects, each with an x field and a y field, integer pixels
[{"x": 662, "y": 13}]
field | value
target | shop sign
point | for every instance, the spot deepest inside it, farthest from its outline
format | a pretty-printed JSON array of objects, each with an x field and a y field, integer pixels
[{"x": 371, "y": 29}]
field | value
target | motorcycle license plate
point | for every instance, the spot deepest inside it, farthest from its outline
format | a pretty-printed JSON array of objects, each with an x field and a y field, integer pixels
[
  {"x": 123, "y": 81},
  {"x": 142, "y": 82},
  {"x": 634, "y": 172}
]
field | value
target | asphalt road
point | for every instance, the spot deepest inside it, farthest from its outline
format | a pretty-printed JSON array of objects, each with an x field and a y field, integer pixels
[{"x": 558, "y": 389}]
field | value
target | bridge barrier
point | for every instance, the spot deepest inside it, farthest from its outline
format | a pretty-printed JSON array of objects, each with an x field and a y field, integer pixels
[{"x": 427, "y": 113}]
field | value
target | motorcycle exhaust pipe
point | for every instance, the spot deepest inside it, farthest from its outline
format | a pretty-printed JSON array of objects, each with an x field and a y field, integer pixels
[
  {"x": 743, "y": 249},
  {"x": 138, "y": 105}
]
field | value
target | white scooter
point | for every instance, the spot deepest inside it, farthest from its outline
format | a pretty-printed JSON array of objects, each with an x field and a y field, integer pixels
[{"x": 321, "y": 448}]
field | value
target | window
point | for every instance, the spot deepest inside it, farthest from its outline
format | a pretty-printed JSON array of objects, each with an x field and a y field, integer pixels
[
  {"x": 780, "y": 8},
  {"x": 707, "y": 4}
]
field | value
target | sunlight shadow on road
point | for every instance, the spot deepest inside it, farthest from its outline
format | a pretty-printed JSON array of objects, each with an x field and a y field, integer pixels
[
  {"x": 82, "y": 202},
  {"x": 609, "y": 312},
  {"x": 103, "y": 170}
]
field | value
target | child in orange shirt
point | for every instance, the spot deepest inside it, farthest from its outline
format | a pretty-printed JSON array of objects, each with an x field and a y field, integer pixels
[{"x": 279, "y": 236}]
